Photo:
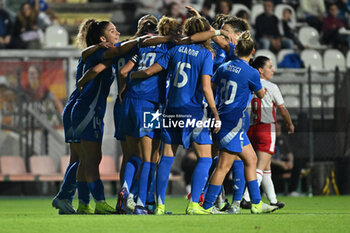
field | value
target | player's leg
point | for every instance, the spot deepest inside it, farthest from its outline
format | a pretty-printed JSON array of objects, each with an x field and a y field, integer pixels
[
  {"x": 200, "y": 175},
  {"x": 162, "y": 177},
  {"x": 92, "y": 156},
  {"x": 150, "y": 202},
  {"x": 63, "y": 200},
  {"x": 130, "y": 179},
  {"x": 146, "y": 146},
  {"x": 250, "y": 160},
  {"x": 238, "y": 185},
  {"x": 225, "y": 161},
  {"x": 269, "y": 188}
]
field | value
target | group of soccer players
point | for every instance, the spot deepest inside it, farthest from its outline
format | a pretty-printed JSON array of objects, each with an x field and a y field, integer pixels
[{"x": 190, "y": 73}]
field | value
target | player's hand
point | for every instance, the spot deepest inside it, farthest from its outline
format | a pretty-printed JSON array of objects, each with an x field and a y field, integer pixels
[
  {"x": 192, "y": 11},
  {"x": 217, "y": 125},
  {"x": 290, "y": 128},
  {"x": 231, "y": 38},
  {"x": 105, "y": 45}
]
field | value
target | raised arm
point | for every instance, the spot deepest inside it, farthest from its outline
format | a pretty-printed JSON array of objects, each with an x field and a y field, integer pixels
[
  {"x": 208, "y": 94},
  {"x": 154, "y": 40},
  {"x": 123, "y": 48},
  {"x": 93, "y": 48},
  {"x": 286, "y": 117},
  {"x": 150, "y": 71},
  {"x": 92, "y": 73}
]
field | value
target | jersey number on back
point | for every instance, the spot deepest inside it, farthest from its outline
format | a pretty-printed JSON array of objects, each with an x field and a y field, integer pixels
[
  {"x": 224, "y": 92},
  {"x": 181, "y": 71},
  {"x": 145, "y": 58}
]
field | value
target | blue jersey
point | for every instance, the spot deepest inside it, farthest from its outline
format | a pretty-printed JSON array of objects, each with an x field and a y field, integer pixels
[
  {"x": 149, "y": 88},
  {"x": 220, "y": 56},
  {"x": 235, "y": 81},
  {"x": 186, "y": 64},
  {"x": 95, "y": 93}
]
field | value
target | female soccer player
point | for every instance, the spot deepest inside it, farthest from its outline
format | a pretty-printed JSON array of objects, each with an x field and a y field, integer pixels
[
  {"x": 89, "y": 109},
  {"x": 262, "y": 133},
  {"x": 63, "y": 200},
  {"x": 235, "y": 80},
  {"x": 189, "y": 69}
]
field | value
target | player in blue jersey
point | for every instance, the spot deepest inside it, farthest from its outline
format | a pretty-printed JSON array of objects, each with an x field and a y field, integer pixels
[
  {"x": 235, "y": 80},
  {"x": 63, "y": 200},
  {"x": 189, "y": 69},
  {"x": 89, "y": 109}
]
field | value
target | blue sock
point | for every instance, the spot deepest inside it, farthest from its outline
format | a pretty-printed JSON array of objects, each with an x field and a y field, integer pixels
[
  {"x": 130, "y": 171},
  {"x": 211, "y": 170},
  {"x": 151, "y": 183},
  {"x": 143, "y": 184},
  {"x": 163, "y": 173},
  {"x": 97, "y": 190},
  {"x": 211, "y": 196},
  {"x": 83, "y": 192},
  {"x": 199, "y": 178},
  {"x": 135, "y": 187},
  {"x": 238, "y": 180},
  {"x": 69, "y": 185},
  {"x": 254, "y": 191}
]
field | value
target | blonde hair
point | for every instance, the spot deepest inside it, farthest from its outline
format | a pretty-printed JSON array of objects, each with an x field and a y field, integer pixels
[
  {"x": 245, "y": 44},
  {"x": 198, "y": 24},
  {"x": 83, "y": 30},
  {"x": 169, "y": 26}
]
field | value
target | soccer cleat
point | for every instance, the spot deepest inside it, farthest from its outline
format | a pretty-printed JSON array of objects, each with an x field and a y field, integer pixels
[
  {"x": 140, "y": 210},
  {"x": 261, "y": 208},
  {"x": 194, "y": 208},
  {"x": 151, "y": 207},
  {"x": 234, "y": 208},
  {"x": 160, "y": 209},
  {"x": 130, "y": 203},
  {"x": 201, "y": 199},
  {"x": 64, "y": 206},
  {"x": 223, "y": 206},
  {"x": 246, "y": 204},
  {"x": 103, "y": 208},
  {"x": 85, "y": 209},
  {"x": 214, "y": 210},
  {"x": 280, "y": 205},
  {"x": 121, "y": 207}
]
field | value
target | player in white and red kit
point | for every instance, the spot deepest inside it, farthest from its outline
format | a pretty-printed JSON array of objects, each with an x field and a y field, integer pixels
[{"x": 262, "y": 132}]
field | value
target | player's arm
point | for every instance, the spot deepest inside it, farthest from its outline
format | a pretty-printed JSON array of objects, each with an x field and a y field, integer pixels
[
  {"x": 92, "y": 73},
  {"x": 145, "y": 73},
  {"x": 208, "y": 94},
  {"x": 155, "y": 40},
  {"x": 261, "y": 93},
  {"x": 203, "y": 36},
  {"x": 93, "y": 48},
  {"x": 123, "y": 74},
  {"x": 286, "y": 117},
  {"x": 123, "y": 48}
]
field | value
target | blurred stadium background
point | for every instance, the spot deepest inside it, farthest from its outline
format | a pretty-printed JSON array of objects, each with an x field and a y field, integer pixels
[{"x": 35, "y": 84}]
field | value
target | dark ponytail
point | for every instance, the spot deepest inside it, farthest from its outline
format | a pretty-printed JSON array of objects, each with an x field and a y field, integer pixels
[{"x": 259, "y": 62}]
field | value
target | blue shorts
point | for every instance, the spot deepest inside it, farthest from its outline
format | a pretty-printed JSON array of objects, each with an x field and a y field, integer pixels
[
  {"x": 118, "y": 112},
  {"x": 132, "y": 119},
  {"x": 87, "y": 123},
  {"x": 246, "y": 121},
  {"x": 66, "y": 117},
  {"x": 233, "y": 138},
  {"x": 189, "y": 133}
]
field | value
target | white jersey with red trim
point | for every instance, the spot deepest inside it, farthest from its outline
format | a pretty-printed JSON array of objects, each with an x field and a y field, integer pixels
[{"x": 263, "y": 111}]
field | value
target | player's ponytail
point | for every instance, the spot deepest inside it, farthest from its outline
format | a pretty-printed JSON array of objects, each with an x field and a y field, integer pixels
[
  {"x": 259, "y": 62},
  {"x": 198, "y": 24},
  {"x": 245, "y": 45},
  {"x": 169, "y": 26},
  {"x": 83, "y": 29}
]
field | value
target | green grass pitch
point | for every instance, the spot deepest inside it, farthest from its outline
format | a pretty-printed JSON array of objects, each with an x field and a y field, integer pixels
[{"x": 316, "y": 214}]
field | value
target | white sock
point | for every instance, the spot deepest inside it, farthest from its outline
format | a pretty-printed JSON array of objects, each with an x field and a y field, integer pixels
[
  {"x": 259, "y": 176},
  {"x": 269, "y": 187}
]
